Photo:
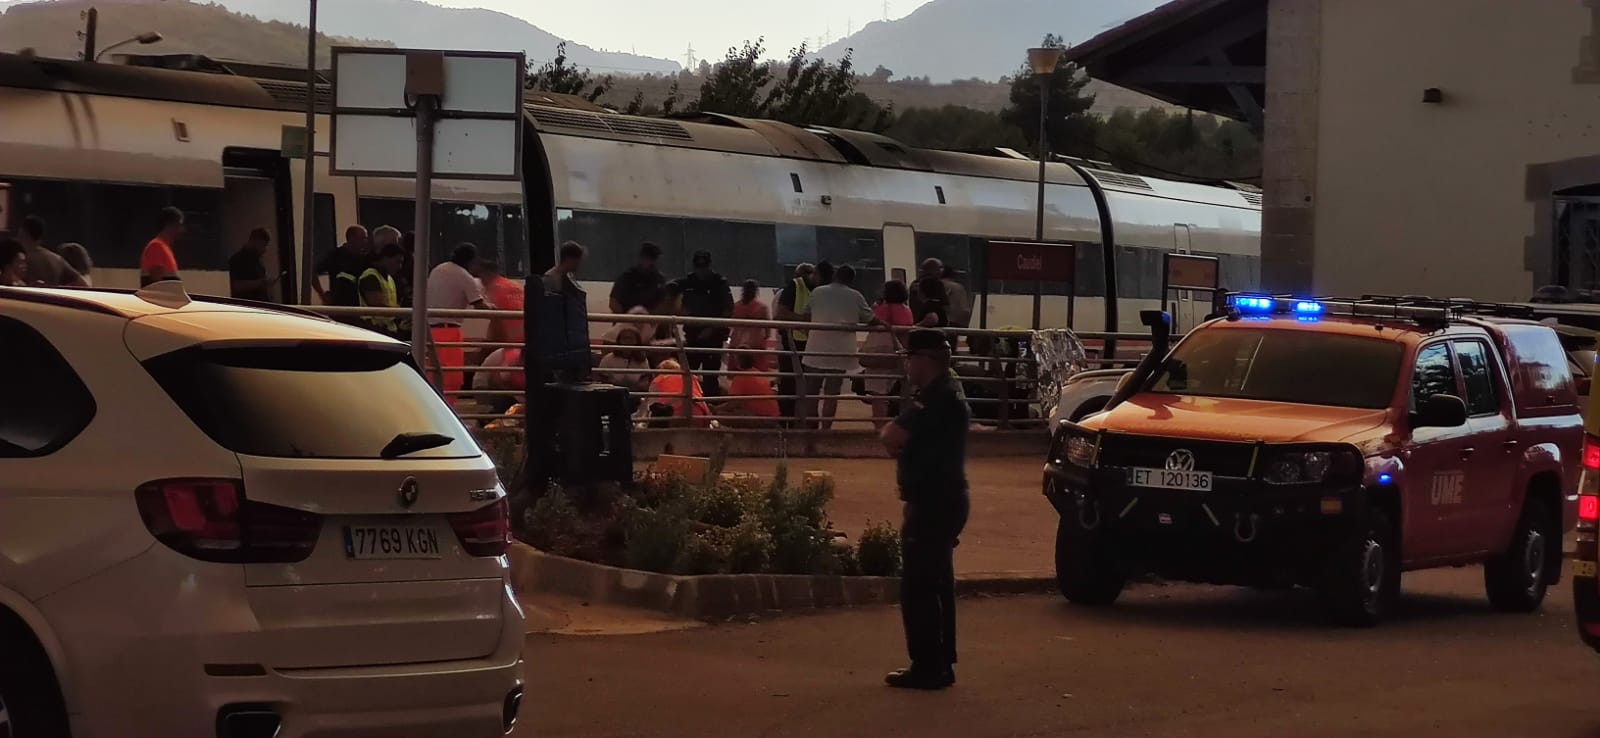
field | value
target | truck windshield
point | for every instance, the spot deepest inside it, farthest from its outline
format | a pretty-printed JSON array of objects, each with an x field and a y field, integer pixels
[{"x": 1284, "y": 366}]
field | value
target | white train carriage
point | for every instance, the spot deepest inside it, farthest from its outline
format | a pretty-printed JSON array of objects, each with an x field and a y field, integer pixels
[{"x": 96, "y": 149}]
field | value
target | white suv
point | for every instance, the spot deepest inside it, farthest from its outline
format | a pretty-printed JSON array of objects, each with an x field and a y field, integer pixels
[{"x": 219, "y": 519}]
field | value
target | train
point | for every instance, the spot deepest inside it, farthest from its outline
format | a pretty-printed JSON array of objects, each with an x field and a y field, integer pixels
[{"x": 96, "y": 149}]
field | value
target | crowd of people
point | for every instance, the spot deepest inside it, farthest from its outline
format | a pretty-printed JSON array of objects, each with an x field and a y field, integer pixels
[{"x": 732, "y": 379}]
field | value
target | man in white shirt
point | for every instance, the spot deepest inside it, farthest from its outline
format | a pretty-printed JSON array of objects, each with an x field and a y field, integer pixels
[
  {"x": 835, "y": 302},
  {"x": 452, "y": 286}
]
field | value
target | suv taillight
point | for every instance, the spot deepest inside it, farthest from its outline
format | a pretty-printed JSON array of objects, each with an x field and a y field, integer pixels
[
  {"x": 211, "y": 520},
  {"x": 1589, "y": 486},
  {"x": 485, "y": 531}
]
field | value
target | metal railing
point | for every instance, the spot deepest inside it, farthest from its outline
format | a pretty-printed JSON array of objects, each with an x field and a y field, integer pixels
[{"x": 1000, "y": 388}]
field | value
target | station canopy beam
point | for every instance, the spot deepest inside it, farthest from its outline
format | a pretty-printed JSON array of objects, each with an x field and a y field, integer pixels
[{"x": 1209, "y": 55}]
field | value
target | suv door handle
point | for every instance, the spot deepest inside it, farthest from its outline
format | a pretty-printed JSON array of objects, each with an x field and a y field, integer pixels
[
  {"x": 1467, "y": 452},
  {"x": 1511, "y": 445}
]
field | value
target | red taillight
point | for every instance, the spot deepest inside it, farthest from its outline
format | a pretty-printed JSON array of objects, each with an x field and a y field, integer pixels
[
  {"x": 211, "y": 520},
  {"x": 485, "y": 531},
  {"x": 1591, "y": 455},
  {"x": 1588, "y": 508}
]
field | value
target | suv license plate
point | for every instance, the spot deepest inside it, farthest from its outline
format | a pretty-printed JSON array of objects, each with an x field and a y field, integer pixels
[
  {"x": 391, "y": 542},
  {"x": 1167, "y": 479}
]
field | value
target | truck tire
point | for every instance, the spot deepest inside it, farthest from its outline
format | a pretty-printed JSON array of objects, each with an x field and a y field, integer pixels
[
  {"x": 1516, "y": 580},
  {"x": 30, "y": 703},
  {"x": 1086, "y": 571},
  {"x": 1361, "y": 580}
]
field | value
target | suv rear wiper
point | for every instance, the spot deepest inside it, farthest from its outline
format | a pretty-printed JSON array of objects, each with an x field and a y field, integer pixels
[{"x": 410, "y": 443}]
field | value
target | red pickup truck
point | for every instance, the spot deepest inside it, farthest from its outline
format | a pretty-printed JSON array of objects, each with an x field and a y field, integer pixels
[{"x": 1330, "y": 444}]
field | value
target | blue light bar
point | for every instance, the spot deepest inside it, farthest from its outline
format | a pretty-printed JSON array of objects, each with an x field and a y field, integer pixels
[
  {"x": 1308, "y": 307},
  {"x": 1252, "y": 304},
  {"x": 1385, "y": 478}
]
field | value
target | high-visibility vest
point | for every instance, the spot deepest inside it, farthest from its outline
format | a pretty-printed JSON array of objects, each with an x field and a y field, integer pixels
[
  {"x": 802, "y": 301},
  {"x": 389, "y": 293}
]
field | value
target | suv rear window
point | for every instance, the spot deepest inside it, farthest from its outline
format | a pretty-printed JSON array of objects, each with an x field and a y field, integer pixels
[
  {"x": 324, "y": 402},
  {"x": 1284, "y": 366}
]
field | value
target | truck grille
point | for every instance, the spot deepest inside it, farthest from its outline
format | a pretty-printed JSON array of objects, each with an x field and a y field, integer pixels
[{"x": 1218, "y": 457}]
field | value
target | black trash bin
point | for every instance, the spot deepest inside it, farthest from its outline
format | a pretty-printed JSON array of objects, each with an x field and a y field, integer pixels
[{"x": 593, "y": 441}]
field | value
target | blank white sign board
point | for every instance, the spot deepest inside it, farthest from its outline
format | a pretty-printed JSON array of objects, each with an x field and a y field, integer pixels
[
  {"x": 461, "y": 147},
  {"x": 477, "y": 129}
]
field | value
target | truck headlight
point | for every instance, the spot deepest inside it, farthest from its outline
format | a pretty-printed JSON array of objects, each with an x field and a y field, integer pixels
[
  {"x": 1301, "y": 466},
  {"x": 1080, "y": 451}
]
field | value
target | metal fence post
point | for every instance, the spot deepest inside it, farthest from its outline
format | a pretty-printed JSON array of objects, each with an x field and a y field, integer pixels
[
  {"x": 802, "y": 406},
  {"x": 688, "y": 377}
]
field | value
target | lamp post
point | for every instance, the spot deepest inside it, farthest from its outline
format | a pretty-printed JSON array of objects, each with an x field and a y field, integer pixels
[
  {"x": 1043, "y": 61},
  {"x": 308, "y": 216},
  {"x": 145, "y": 39}
]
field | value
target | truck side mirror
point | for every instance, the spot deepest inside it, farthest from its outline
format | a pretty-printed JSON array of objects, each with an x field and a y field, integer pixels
[{"x": 1441, "y": 411}]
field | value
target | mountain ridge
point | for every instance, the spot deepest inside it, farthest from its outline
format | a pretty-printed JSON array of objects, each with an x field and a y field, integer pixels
[{"x": 937, "y": 41}]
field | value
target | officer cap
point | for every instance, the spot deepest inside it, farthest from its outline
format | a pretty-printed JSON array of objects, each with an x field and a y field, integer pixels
[{"x": 927, "y": 343}]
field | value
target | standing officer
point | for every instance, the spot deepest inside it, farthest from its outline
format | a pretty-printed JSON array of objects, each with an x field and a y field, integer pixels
[{"x": 929, "y": 441}]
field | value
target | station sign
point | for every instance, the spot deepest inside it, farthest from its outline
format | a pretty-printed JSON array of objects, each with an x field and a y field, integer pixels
[
  {"x": 1031, "y": 261},
  {"x": 1191, "y": 272}
]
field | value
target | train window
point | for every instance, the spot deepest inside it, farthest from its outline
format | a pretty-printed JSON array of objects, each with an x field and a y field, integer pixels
[
  {"x": 514, "y": 242},
  {"x": 613, "y": 240},
  {"x": 797, "y": 244},
  {"x": 740, "y": 251},
  {"x": 861, "y": 249},
  {"x": 1138, "y": 273},
  {"x": 115, "y": 221},
  {"x": 455, "y": 223},
  {"x": 794, "y": 179},
  {"x": 953, "y": 251}
]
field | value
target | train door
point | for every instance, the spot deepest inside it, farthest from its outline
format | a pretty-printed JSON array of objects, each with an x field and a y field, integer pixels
[
  {"x": 334, "y": 206},
  {"x": 1187, "y": 311},
  {"x": 256, "y": 194},
  {"x": 900, "y": 253}
]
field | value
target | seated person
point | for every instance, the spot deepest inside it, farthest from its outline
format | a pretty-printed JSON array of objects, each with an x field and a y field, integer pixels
[
  {"x": 500, "y": 380},
  {"x": 671, "y": 403},
  {"x": 624, "y": 363},
  {"x": 754, "y": 413}
]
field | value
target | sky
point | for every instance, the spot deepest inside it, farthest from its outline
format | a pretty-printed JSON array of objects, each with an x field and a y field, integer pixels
[{"x": 665, "y": 28}]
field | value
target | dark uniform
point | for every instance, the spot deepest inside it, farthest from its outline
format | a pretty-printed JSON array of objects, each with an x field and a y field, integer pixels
[{"x": 933, "y": 483}]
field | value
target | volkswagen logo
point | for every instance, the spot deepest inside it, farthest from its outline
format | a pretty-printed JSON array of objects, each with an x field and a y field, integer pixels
[
  {"x": 409, "y": 490},
  {"x": 1180, "y": 460}
]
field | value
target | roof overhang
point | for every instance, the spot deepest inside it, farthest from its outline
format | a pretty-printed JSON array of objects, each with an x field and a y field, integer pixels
[{"x": 1209, "y": 55}]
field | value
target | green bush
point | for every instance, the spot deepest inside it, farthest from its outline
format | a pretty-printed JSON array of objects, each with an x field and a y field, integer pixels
[
  {"x": 879, "y": 551},
  {"x": 553, "y": 523},
  {"x": 845, "y": 562},
  {"x": 654, "y": 537},
  {"x": 727, "y": 502},
  {"x": 703, "y": 552},
  {"x": 749, "y": 548},
  {"x": 505, "y": 450}
]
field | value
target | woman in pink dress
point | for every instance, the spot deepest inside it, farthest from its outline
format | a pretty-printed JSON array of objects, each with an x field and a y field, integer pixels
[
  {"x": 750, "y": 307},
  {"x": 893, "y": 312}
]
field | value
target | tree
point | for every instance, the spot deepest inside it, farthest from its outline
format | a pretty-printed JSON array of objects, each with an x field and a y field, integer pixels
[
  {"x": 1068, "y": 123},
  {"x": 562, "y": 78},
  {"x": 954, "y": 128},
  {"x": 734, "y": 86},
  {"x": 802, "y": 91}
]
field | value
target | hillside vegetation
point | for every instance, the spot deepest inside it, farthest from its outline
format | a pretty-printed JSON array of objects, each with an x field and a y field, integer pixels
[{"x": 51, "y": 29}]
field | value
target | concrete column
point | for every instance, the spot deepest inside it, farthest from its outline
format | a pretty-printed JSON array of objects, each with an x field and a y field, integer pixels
[{"x": 1289, "y": 149}]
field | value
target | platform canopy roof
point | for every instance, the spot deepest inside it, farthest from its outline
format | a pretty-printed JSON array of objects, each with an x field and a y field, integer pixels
[{"x": 1209, "y": 55}]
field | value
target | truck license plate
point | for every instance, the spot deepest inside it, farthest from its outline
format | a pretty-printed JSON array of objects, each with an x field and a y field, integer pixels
[
  {"x": 1168, "y": 479},
  {"x": 391, "y": 542}
]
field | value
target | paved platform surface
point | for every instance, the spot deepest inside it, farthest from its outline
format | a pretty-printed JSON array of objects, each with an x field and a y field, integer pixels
[{"x": 1177, "y": 660}]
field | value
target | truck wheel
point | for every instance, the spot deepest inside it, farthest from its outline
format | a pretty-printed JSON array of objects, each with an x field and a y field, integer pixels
[
  {"x": 1362, "y": 578},
  {"x": 1086, "y": 572},
  {"x": 30, "y": 704},
  {"x": 1516, "y": 580}
]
